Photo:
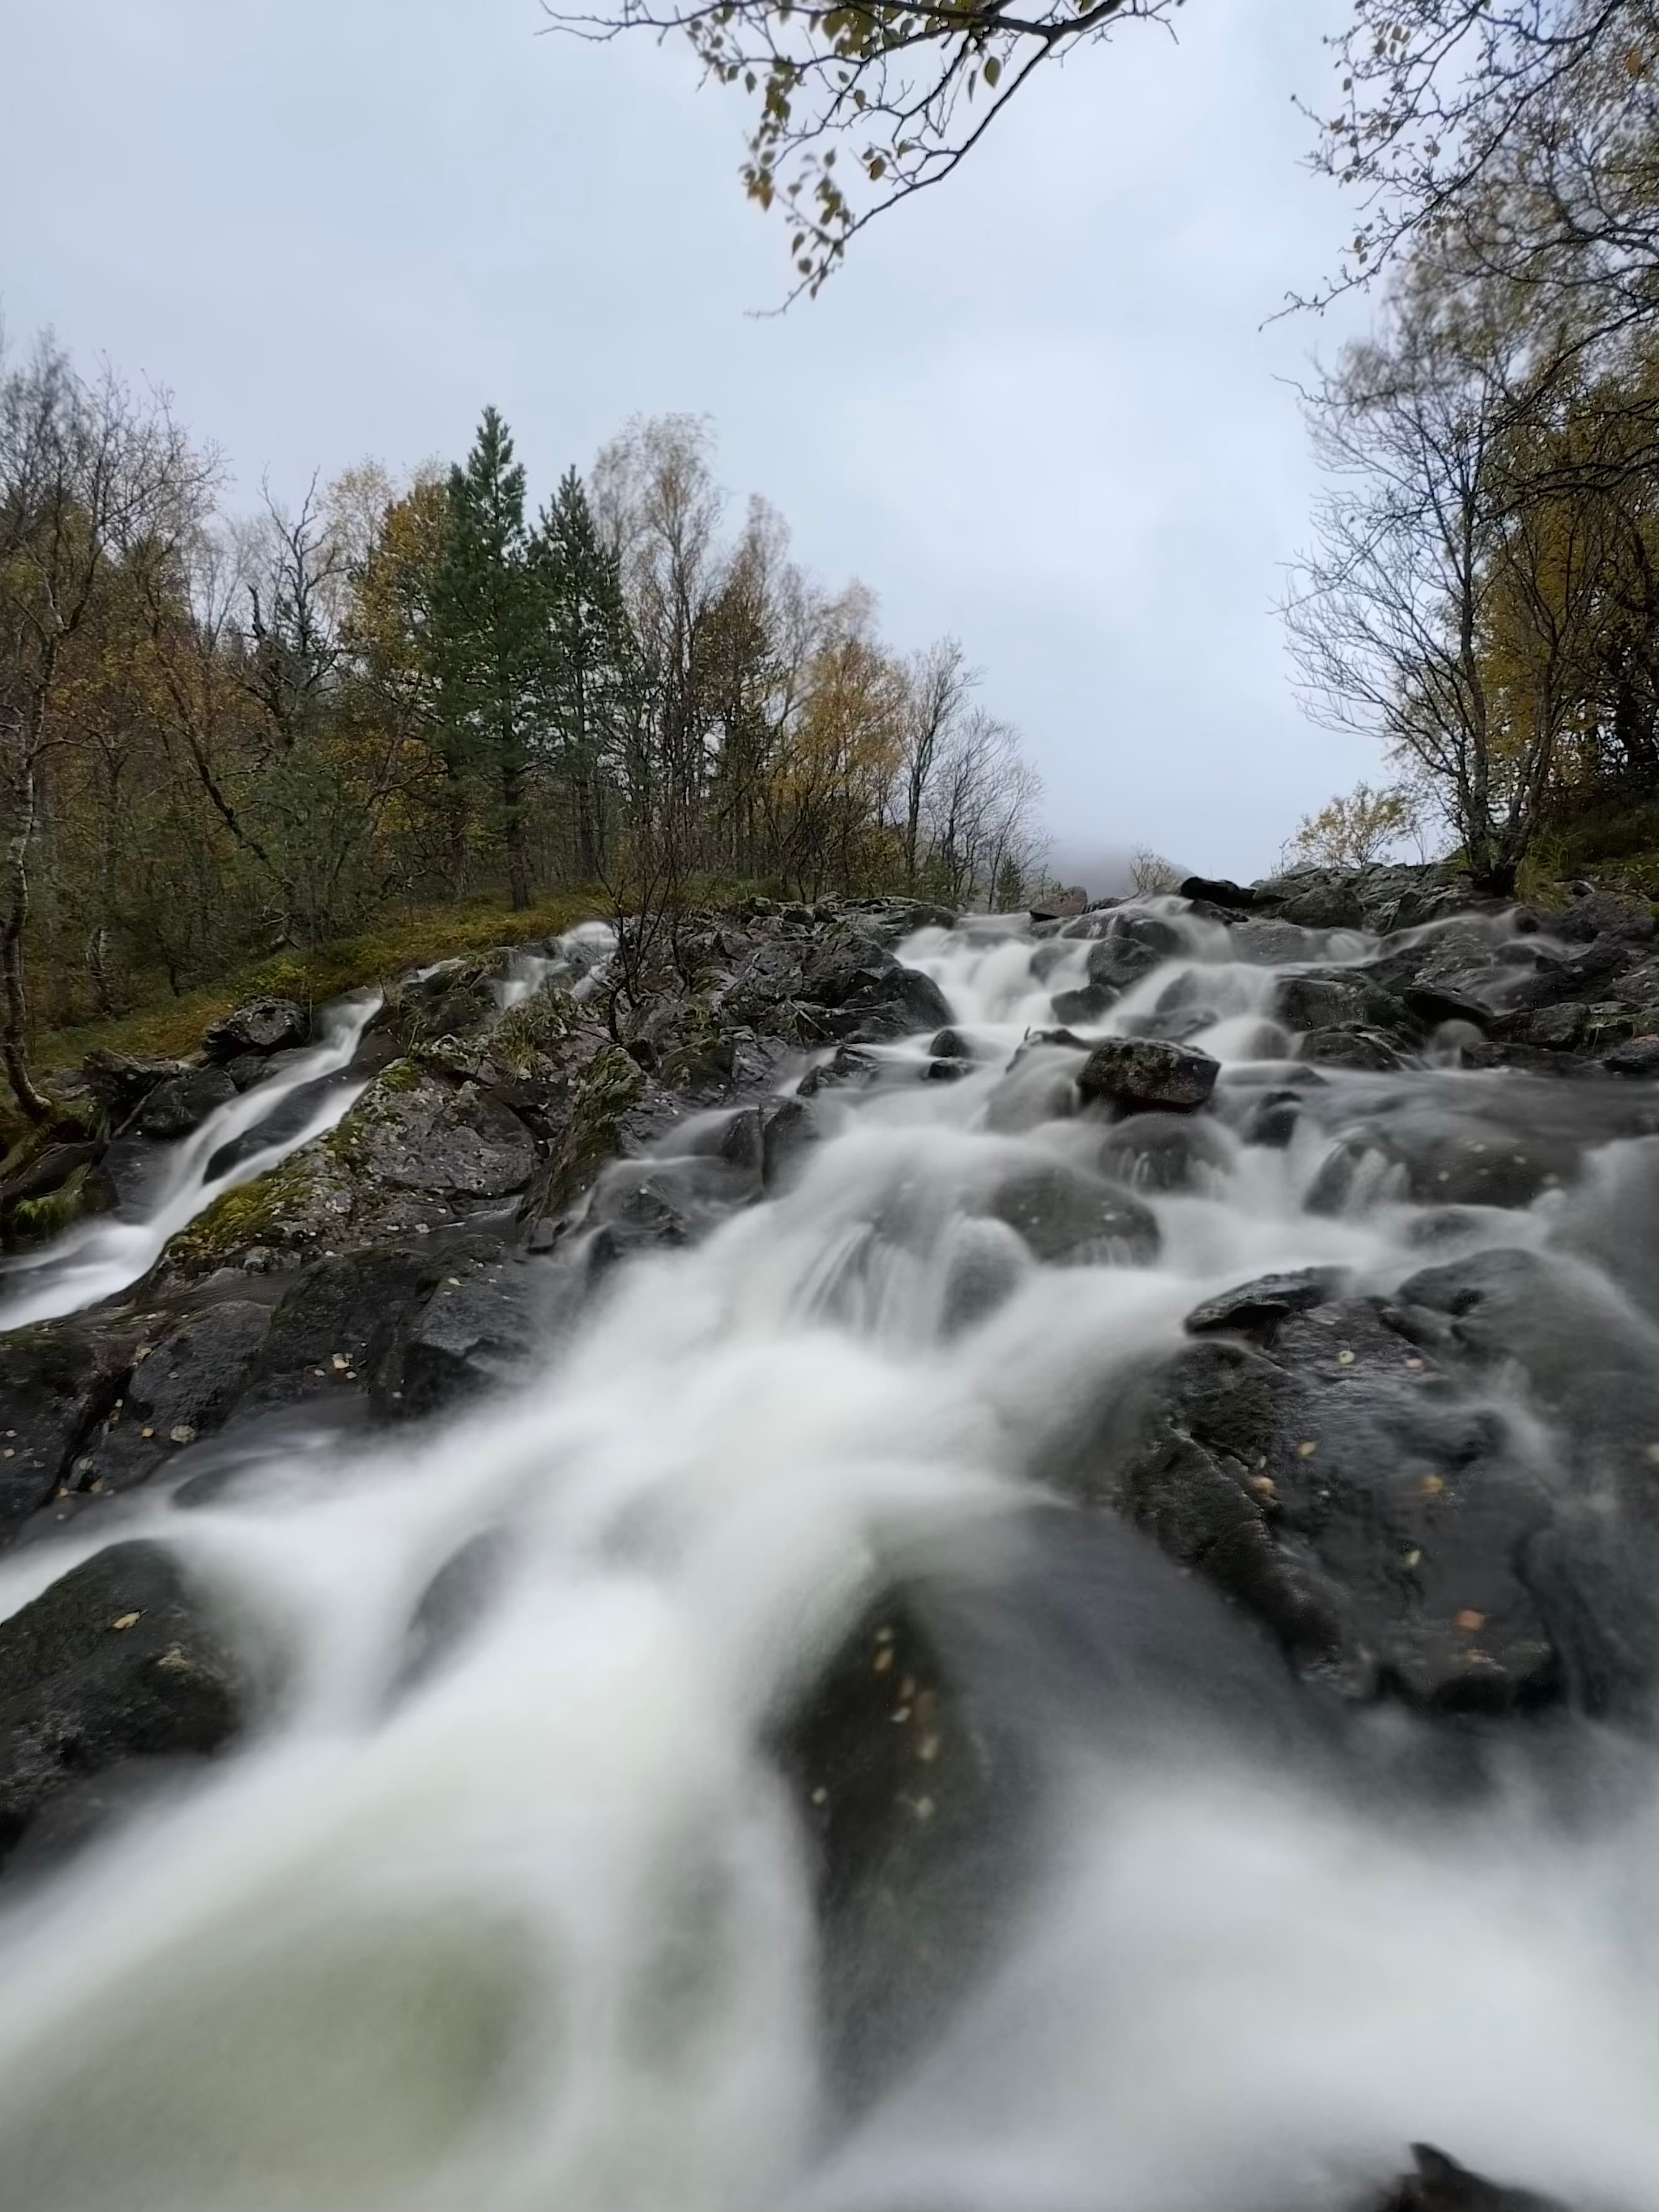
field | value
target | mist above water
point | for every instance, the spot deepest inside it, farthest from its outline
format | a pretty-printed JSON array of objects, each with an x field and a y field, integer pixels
[{"x": 530, "y": 1927}]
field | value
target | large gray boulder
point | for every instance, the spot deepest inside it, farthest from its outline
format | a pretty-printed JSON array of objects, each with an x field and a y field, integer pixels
[
  {"x": 420, "y": 1134},
  {"x": 1142, "y": 1073},
  {"x": 1065, "y": 1214},
  {"x": 261, "y": 1025},
  {"x": 182, "y": 1103}
]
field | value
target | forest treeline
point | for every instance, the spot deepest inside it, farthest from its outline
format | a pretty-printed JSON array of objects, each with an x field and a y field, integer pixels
[{"x": 220, "y": 736}]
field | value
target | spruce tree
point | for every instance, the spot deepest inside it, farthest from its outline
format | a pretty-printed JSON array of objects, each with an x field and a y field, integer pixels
[
  {"x": 590, "y": 661},
  {"x": 490, "y": 640}
]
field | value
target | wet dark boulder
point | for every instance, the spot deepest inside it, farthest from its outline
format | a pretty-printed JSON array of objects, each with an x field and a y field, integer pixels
[
  {"x": 415, "y": 1132},
  {"x": 1372, "y": 1509},
  {"x": 1258, "y": 1306},
  {"x": 601, "y": 1097},
  {"x": 951, "y": 1044},
  {"x": 1157, "y": 934},
  {"x": 845, "y": 1064},
  {"x": 1441, "y": 1160},
  {"x": 54, "y": 1185},
  {"x": 1315, "y": 898},
  {"x": 846, "y": 985},
  {"x": 59, "y": 1381},
  {"x": 1382, "y": 897},
  {"x": 1639, "y": 1057},
  {"x": 898, "y": 1788},
  {"x": 788, "y": 1131},
  {"x": 1362, "y": 1049},
  {"x": 1117, "y": 961},
  {"x": 262, "y": 1026},
  {"x": 1139, "y": 1073},
  {"x": 453, "y": 1000},
  {"x": 183, "y": 1103},
  {"x": 1338, "y": 1000},
  {"x": 478, "y": 1329},
  {"x": 638, "y": 1205},
  {"x": 1089, "y": 1003},
  {"x": 1218, "y": 890},
  {"x": 1066, "y": 1215},
  {"x": 1272, "y": 1116},
  {"x": 185, "y": 1382},
  {"x": 1164, "y": 1152},
  {"x": 1269, "y": 941},
  {"x": 1061, "y": 905},
  {"x": 1439, "y": 2184},
  {"x": 118, "y": 1661},
  {"x": 121, "y": 1082},
  {"x": 1550, "y": 1029},
  {"x": 339, "y": 1328},
  {"x": 249, "y": 1068},
  {"x": 1586, "y": 1359},
  {"x": 1457, "y": 976}
]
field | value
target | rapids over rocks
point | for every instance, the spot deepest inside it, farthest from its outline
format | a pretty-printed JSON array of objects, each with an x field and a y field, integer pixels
[{"x": 1000, "y": 1564}]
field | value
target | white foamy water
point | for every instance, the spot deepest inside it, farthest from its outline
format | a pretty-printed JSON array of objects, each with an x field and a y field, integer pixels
[
  {"x": 577, "y": 962},
  {"x": 100, "y": 1257},
  {"x": 535, "y": 1933}
]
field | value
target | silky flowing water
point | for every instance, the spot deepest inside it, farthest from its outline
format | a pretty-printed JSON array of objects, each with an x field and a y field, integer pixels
[
  {"x": 530, "y": 1929},
  {"x": 237, "y": 1141}
]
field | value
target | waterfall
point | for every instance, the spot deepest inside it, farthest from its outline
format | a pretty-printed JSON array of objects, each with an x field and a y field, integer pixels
[{"x": 530, "y": 1926}]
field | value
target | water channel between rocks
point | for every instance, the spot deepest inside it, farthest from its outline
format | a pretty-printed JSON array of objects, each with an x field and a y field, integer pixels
[{"x": 1217, "y": 1858}]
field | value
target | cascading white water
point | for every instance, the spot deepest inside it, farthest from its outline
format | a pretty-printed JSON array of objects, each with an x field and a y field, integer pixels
[
  {"x": 101, "y": 1257},
  {"x": 577, "y": 962},
  {"x": 535, "y": 1934}
]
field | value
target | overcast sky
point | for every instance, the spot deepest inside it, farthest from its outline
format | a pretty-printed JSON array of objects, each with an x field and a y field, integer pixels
[{"x": 1037, "y": 409}]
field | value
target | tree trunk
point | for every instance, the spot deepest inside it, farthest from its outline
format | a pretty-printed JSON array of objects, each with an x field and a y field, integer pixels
[
  {"x": 518, "y": 856},
  {"x": 98, "y": 938},
  {"x": 14, "y": 1042}
]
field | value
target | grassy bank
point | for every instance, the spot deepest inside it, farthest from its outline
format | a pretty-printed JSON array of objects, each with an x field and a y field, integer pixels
[{"x": 170, "y": 1026}]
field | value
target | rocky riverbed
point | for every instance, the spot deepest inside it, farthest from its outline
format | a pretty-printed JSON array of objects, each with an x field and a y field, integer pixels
[{"x": 1226, "y": 1322}]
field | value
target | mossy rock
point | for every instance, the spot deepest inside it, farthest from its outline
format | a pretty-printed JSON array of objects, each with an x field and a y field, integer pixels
[
  {"x": 610, "y": 1084},
  {"x": 84, "y": 1191},
  {"x": 267, "y": 1211}
]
